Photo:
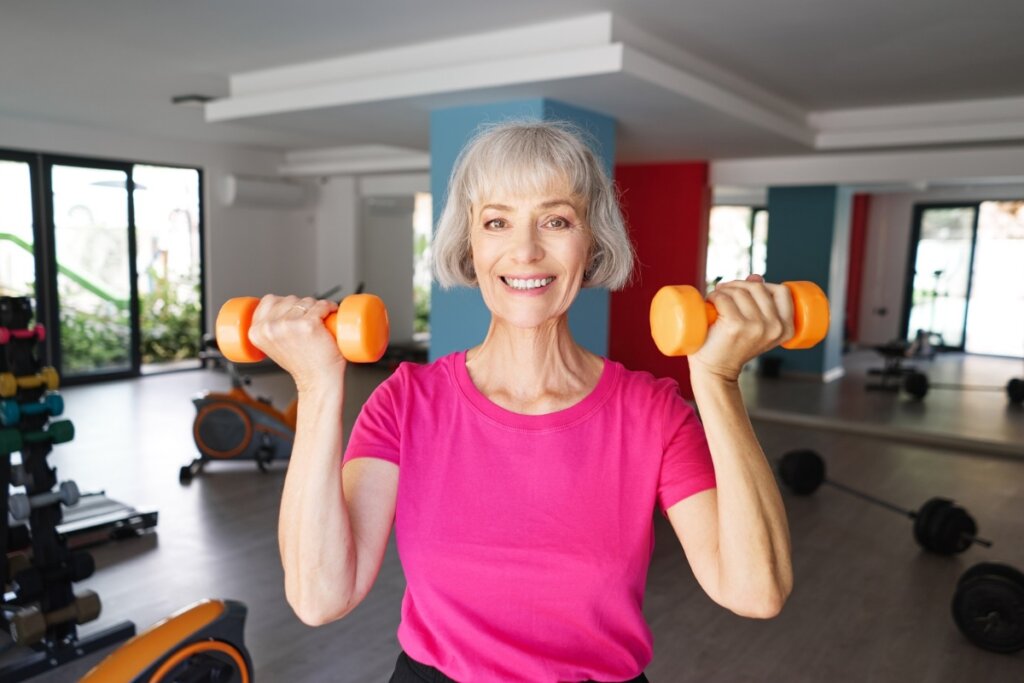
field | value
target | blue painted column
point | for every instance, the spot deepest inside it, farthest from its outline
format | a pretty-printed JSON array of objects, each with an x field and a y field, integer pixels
[
  {"x": 808, "y": 239},
  {"x": 458, "y": 317}
]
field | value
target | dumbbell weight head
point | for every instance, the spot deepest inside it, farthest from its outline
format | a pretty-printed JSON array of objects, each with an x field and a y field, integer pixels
[
  {"x": 802, "y": 471},
  {"x": 10, "y": 441},
  {"x": 10, "y": 414},
  {"x": 1015, "y": 391},
  {"x": 988, "y": 607},
  {"x": 944, "y": 528},
  {"x": 27, "y": 626},
  {"x": 916, "y": 384},
  {"x": 8, "y": 385}
]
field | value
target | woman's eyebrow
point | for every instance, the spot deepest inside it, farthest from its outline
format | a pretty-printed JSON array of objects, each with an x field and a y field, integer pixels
[{"x": 545, "y": 205}]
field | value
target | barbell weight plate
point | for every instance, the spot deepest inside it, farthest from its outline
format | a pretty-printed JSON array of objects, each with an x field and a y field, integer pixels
[
  {"x": 925, "y": 527},
  {"x": 916, "y": 384},
  {"x": 955, "y": 531},
  {"x": 802, "y": 471},
  {"x": 1015, "y": 390},
  {"x": 983, "y": 568},
  {"x": 989, "y": 610}
]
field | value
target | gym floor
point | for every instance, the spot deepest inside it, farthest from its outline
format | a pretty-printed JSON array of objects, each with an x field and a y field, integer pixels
[{"x": 868, "y": 603}]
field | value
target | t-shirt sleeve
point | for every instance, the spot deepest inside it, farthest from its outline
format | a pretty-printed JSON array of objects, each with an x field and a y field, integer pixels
[
  {"x": 686, "y": 466},
  {"x": 376, "y": 432}
]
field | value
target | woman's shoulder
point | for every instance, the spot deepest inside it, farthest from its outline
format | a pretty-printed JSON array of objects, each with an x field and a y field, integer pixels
[
  {"x": 644, "y": 383},
  {"x": 421, "y": 375}
]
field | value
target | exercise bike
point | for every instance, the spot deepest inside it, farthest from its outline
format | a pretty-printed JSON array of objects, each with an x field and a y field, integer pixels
[
  {"x": 237, "y": 425},
  {"x": 201, "y": 643}
]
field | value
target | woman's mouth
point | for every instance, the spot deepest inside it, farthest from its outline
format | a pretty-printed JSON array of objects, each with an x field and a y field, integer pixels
[{"x": 527, "y": 285}]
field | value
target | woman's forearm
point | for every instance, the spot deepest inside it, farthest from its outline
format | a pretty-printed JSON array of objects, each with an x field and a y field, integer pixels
[
  {"x": 754, "y": 562},
  {"x": 318, "y": 551}
]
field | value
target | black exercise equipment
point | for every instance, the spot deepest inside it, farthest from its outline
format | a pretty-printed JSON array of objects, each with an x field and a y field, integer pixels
[
  {"x": 199, "y": 644},
  {"x": 988, "y": 607},
  {"x": 917, "y": 385},
  {"x": 939, "y": 526}
]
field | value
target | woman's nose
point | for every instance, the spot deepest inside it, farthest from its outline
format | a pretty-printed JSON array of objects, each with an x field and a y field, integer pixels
[{"x": 527, "y": 247}]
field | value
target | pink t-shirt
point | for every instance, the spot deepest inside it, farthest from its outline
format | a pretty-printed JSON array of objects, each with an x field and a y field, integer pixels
[{"x": 525, "y": 539}]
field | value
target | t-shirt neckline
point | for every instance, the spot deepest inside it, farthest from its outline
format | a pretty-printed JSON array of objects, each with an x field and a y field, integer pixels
[{"x": 559, "y": 418}]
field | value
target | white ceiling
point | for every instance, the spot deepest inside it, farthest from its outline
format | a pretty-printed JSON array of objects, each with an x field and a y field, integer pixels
[{"x": 116, "y": 63}]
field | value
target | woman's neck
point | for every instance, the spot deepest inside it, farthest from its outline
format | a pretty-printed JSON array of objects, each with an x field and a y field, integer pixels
[{"x": 533, "y": 371}]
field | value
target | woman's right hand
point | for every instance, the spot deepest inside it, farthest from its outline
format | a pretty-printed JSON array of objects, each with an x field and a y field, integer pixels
[{"x": 292, "y": 333}]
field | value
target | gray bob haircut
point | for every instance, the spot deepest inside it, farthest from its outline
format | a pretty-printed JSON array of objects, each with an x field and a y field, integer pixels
[{"x": 527, "y": 157}]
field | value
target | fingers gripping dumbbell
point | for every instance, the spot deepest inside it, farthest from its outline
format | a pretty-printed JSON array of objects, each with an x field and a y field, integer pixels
[
  {"x": 21, "y": 505},
  {"x": 680, "y": 318},
  {"x": 360, "y": 327},
  {"x": 28, "y": 625},
  {"x": 939, "y": 526}
]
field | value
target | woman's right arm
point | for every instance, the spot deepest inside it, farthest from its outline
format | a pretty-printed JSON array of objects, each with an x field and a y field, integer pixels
[{"x": 333, "y": 529}]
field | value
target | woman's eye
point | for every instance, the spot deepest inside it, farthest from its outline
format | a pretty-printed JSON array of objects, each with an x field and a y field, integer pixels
[
  {"x": 496, "y": 223},
  {"x": 558, "y": 223}
]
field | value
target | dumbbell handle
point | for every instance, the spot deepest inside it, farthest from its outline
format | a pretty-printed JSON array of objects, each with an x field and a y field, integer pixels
[{"x": 912, "y": 514}]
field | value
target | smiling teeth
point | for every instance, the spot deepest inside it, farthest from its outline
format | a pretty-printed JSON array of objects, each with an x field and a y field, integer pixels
[{"x": 528, "y": 284}]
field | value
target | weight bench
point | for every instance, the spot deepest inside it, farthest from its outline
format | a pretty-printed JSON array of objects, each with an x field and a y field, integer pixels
[{"x": 893, "y": 371}]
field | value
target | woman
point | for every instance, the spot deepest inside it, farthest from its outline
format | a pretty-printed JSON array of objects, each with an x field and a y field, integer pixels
[{"x": 530, "y": 467}]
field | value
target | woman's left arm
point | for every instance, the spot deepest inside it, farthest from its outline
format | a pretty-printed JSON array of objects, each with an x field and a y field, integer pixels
[{"x": 736, "y": 536}]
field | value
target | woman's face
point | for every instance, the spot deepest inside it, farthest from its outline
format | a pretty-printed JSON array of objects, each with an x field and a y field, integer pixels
[{"x": 530, "y": 253}]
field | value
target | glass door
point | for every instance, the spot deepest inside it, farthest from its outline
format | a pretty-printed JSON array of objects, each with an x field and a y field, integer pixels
[
  {"x": 92, "y": 262},
  {"x": 17, "y": 227},
  {"x": 939, "y": 287},
  {"x": 995, "y": 315}
]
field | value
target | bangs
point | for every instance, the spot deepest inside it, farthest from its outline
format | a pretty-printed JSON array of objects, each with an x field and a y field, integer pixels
[{"x": 524, "y": 165}]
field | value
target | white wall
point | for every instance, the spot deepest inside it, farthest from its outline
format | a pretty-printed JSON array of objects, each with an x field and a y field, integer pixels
[
  {"x": 886, "y": 252},
  {"x": 344, "y": 254},
  {"x": 243, "y": 245}
]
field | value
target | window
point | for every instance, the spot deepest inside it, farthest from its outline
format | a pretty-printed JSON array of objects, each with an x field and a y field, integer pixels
[{"x": 737, "y": 243}]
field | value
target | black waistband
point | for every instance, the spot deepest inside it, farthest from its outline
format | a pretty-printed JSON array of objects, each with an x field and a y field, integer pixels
[{"x": 408, "y": 670}]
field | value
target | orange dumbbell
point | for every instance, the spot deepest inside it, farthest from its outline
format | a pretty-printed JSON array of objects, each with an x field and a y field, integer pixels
[
  {"x": 680, "y": 318},
  {"x": 360, "y": 327}
]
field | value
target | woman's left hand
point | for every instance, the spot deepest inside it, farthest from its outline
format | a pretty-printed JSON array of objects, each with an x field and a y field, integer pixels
[{"x": 753, "y": 317}]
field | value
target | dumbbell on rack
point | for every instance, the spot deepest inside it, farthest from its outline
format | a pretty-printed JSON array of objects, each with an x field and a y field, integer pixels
[
  {"x": 46, "y": 377},
  {"x": 680, "y": 318},
  {"x": 988, "y": 607},
  {"x": 21, "y": 505},
  {"x": 917, "y": 385},
  {"x": 28, "y": 625},
  {"x": 939, "y": 526},
  {"x": 12, "y": 440},
  {"x": 29, "y": 582},
  {"x": 11, "y": 411}
]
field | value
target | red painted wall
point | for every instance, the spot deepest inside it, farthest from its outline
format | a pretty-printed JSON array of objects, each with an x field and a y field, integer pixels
[
  {"x": 855, "y": 274},
  {"x": 666, "y": 208}
]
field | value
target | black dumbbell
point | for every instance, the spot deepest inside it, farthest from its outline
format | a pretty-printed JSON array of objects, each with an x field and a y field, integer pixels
[
  {"x": 988, "y": 607},
  {"x": 939, "y": 526},
  {"x": 29, "y": 583},
  {"x": 917, "y": 385}
]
